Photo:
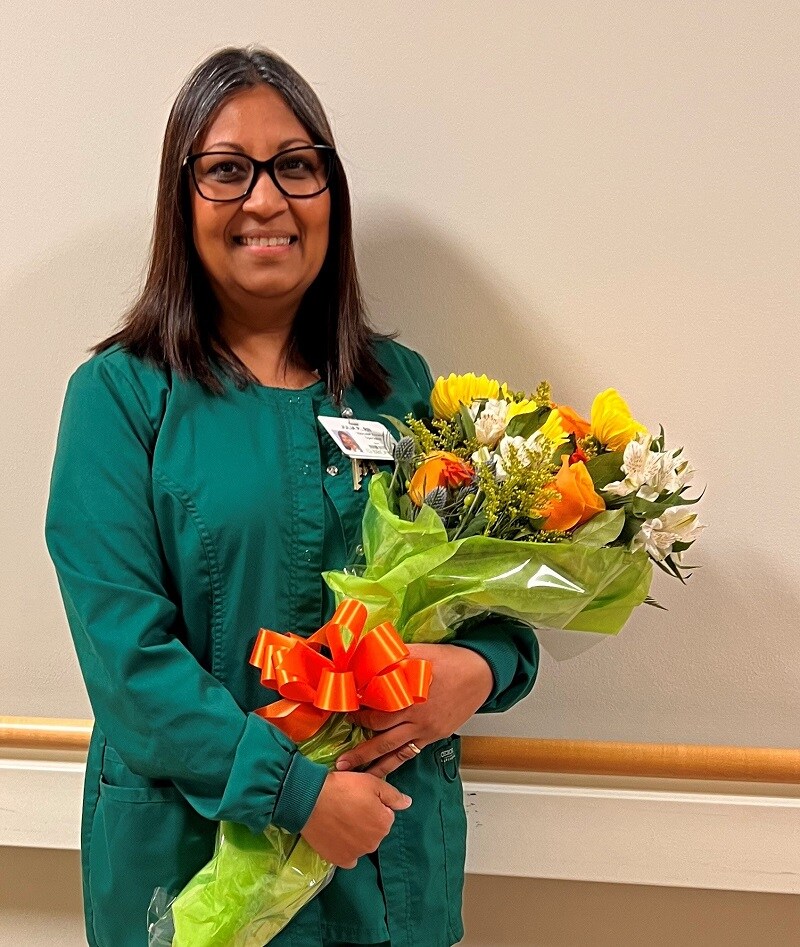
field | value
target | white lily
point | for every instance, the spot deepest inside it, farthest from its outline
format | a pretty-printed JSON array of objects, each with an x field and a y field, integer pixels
[{"x": 659, "y": 535}]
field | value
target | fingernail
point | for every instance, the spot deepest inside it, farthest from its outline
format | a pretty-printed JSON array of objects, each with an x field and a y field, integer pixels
[
  {"x": 342, "y": 764},
  {"x": 408, "y": 799}
]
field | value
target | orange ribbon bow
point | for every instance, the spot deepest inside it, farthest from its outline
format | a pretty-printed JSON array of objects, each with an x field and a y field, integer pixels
[{"x": 364, "y": 670}]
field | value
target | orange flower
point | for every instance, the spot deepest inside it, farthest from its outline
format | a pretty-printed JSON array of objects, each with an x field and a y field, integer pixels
[
  {"x": 439, "y": 469},
  {"x": 579, "y": 502},
  {"x": 572, "y": 422}
]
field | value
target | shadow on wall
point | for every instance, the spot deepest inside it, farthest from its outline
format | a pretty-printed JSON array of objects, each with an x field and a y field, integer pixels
[{"x": 50, "y": 312}]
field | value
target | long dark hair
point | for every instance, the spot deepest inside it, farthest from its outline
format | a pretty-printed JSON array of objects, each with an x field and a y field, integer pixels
[{"x": 174, "y": 320}]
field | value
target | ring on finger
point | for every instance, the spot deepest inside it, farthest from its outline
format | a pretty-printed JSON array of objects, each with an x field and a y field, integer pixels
[{"x": 414, "y": 747}]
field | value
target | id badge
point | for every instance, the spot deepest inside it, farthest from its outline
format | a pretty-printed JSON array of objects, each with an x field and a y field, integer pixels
[{"x": 360, "y": 440}]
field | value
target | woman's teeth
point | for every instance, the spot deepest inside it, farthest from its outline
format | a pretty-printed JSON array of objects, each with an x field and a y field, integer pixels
[{"x": 264, "y": 241}]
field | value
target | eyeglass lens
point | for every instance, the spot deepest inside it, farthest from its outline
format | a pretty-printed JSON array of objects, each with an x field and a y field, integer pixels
[{"x": 227, "y": 176}]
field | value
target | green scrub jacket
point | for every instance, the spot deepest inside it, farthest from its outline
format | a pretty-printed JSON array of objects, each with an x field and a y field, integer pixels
[{"x": 179, "y": 523}]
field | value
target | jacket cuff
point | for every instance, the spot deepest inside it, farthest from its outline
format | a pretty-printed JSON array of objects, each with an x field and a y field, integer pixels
[
  {"x": 510, "y": 649},
  {"x": 499, "y": 652},
  {"x": 299, "y": 793}
]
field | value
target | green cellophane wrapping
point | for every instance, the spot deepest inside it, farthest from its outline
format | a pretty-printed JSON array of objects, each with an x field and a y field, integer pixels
[
  {"x": 426, "y": 585},
  {"x": 254, "y": 884}
]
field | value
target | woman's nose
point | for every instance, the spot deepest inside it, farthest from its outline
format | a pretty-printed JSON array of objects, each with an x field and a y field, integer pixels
[{"x": 265, "y": 198}]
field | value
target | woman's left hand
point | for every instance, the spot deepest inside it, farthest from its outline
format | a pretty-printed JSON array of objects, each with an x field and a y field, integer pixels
[{"x": 461, "y": 682}]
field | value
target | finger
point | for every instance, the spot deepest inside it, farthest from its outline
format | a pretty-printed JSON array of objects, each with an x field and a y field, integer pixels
[
  {"x": 392, "y": 761},
  {"x": 377, "y": 719},
  {"x": 376, "y": 747}
]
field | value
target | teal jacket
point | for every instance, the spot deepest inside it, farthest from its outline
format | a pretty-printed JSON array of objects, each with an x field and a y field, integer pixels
[{"x": 179, "y": 523}]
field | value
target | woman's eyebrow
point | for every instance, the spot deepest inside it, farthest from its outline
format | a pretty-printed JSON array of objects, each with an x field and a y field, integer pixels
[{"x": 237, "y": 147}]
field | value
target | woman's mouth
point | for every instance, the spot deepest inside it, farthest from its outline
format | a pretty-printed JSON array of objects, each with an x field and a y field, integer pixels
[{"x": 265, "y": 241}]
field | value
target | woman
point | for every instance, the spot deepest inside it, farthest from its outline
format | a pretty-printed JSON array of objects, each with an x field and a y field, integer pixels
[{"x": 195, "y": 498}]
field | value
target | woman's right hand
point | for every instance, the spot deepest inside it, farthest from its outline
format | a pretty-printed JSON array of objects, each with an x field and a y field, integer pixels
[{"x": 353, "y": 814}]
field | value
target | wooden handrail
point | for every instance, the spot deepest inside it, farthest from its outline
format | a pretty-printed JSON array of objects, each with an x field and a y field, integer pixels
[{"x": 663, "y": 760}]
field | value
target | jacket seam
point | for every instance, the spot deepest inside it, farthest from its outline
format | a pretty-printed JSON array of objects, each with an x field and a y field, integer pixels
[
  {"x": 212, "y": 567},
  {"x": 293, "y": 538}
]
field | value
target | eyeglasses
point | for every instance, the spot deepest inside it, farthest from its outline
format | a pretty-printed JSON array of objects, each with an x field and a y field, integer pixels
[{"x": 231, "y": 175}]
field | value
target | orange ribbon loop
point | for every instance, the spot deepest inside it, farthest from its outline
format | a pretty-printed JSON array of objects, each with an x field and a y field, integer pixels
[{"x": 364, "y": 670}]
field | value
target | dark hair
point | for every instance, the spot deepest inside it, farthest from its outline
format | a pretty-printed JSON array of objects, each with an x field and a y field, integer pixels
[{"x": 174, "y": 319}]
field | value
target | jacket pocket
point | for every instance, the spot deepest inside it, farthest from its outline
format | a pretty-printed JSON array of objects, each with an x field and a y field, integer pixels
[
  {"x": 144, "y": 835},
  {"x": 454, "y": 829}
]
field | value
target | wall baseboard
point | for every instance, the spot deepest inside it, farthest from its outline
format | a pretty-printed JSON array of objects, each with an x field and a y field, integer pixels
[{"x": 579, "y": 828}]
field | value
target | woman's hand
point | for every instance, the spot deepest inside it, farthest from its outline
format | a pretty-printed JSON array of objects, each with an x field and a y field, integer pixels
[
  {"x": 462, "y": 680},
  {"x": 353, "y": 814}
]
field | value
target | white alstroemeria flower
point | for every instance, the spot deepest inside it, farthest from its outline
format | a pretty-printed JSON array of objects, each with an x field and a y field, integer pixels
[
  {"x": 657, "y": 536},
  {"x": 669, "y": 475},
  {"x": 638, "y": 464},
  {"x": 649, "y": 473},
  {"x": 524, "y": 449}
]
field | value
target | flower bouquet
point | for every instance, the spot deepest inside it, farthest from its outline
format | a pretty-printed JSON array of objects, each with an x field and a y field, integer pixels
[
  {"x": 501, "y": 503},
  {"x": 510, "y": 503}
]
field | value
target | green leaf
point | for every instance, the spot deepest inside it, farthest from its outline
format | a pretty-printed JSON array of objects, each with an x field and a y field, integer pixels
[
  {"x": 605, "y": 469},
  {"x": 568, "y": 447},
  {"x": 466, "y": 422},
  {"x": 406, "y": 509},
  {"x": 600, "y": 530},
  {"x": 476, "y": 526},
  {"x": 403, "y": 429},
  {"x": 650, "y": 509},
  {"x": 523, "y": 425}
]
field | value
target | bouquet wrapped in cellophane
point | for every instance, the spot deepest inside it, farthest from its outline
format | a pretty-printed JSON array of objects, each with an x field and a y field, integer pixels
[
  {"x": 501, "y": 503},
  {"x": 513, "y": 504},
  {"x": 255, "y": 884}
]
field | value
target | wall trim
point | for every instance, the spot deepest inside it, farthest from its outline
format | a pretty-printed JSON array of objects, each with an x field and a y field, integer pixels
[{"x": 587, "y": 757}]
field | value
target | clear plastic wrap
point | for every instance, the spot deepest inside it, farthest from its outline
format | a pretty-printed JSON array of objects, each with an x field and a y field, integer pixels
[
  {"x": 254, "y": 884},
  {"x": 425, "y": 584}
]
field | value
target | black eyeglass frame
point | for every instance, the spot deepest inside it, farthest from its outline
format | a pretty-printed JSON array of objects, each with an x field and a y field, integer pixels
[{"x": 258, "y": 166}]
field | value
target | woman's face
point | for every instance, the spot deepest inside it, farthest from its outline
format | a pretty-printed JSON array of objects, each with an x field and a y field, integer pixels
[{"x": 248, "y": 279}]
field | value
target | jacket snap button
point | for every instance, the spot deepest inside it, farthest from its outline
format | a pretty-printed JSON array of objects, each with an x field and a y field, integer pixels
[{"x": 333, "y": 470}]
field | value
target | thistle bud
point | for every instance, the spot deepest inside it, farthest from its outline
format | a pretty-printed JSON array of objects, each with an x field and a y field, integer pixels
[
  {"x": 436, "y": 499},
  {"x": 404, "y": 450}
]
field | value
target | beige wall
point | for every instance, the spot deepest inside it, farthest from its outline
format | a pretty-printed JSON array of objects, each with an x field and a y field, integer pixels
[{"x": 600, "y": 194}]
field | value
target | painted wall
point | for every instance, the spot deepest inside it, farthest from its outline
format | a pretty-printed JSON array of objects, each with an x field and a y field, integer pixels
[{"x": 598, "y": 194}]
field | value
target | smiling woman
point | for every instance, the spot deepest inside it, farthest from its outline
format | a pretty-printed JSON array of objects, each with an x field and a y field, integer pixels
[{"x": 195, "y": 498}]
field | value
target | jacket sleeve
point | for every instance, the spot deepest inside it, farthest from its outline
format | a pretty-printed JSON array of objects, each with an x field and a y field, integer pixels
[
  {"x": 164, "y": 714},
  {"x": 508, "y": 646}
]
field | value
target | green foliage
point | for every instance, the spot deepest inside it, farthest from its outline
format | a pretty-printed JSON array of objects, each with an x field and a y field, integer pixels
[
  {"x": 605, "y": 469},
  {"x": 523, "y": 425}
]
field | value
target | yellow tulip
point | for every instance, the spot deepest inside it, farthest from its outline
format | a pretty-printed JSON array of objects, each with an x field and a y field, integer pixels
[
  {"x": 612, "y": 422},
  {"x": 449, "y": 393}
]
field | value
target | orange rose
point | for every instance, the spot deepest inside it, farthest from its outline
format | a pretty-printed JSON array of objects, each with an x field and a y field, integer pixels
[
  {"x": 579, "y": 502},
  {"x": 572, "y": 422},
  {"x": 439, "y": 469}
]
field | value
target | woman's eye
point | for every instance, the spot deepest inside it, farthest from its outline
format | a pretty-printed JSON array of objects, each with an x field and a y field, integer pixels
[
  {"x": 296, "y": 167},
  {"x": 227, "y": 171}
]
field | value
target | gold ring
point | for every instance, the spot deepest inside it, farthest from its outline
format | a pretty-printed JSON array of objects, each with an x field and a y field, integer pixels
[{"x": 414, "y": 747}]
